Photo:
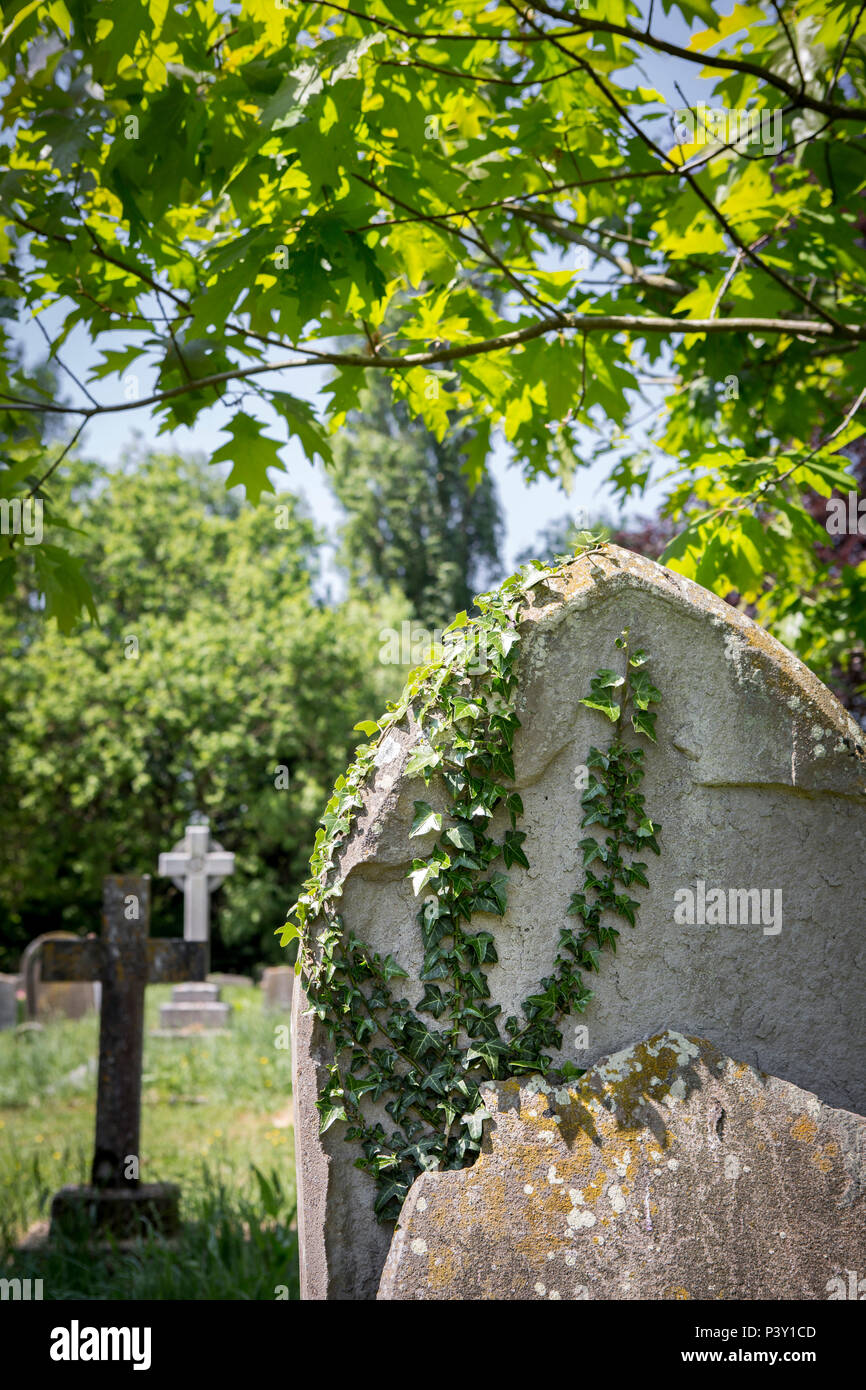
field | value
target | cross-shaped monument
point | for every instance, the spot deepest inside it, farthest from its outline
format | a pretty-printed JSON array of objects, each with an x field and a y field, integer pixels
[
  {"x": 124, "y": 960},
  {"x": 196, "y": 866}
]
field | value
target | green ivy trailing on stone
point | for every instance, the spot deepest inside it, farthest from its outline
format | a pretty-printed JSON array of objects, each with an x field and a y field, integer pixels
[{"x": 418, "y": 1067}]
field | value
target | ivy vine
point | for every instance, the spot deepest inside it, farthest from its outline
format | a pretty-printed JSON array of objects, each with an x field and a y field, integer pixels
[{"x": 424, "y": 1063}]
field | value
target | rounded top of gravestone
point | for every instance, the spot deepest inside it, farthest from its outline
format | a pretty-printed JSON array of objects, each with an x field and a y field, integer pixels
[{"x": 738, "y": 705}]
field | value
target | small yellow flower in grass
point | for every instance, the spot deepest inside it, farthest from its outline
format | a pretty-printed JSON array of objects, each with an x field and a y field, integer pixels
[
  {"x": 265, "y": 1061},
  {"x": 39, "y": 1139},
  {"x": 56, "y": 1156},
  {"x": 217, "y": 1134}
]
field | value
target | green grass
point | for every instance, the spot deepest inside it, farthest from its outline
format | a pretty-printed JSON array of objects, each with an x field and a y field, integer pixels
[{"x": 215, "y": 1118}]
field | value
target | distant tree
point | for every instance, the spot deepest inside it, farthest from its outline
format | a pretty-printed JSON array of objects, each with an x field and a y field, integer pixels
[
  {"x": 413, "y": 518},
  {"x": 215, "y": 681}
]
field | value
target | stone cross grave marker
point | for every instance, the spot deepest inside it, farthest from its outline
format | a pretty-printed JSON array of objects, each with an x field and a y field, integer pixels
[
  {"x": 196, "y": 865},
  {"x": 124, "y": 960},
  {"x": 758, "y": 780}
]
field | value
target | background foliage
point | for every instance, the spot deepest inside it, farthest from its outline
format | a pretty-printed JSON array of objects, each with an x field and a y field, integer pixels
[
  {"x": 241, "y": 186},
  {"x": 241, "y": 669},
  {"x": 413, "y": 520}
]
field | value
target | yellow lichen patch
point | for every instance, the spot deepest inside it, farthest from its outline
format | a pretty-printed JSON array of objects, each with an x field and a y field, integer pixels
[
  {"x": 803, "y": 1129},
  {"x": 823, "y": 1158},
  {"x": 676, "y": 1292},
  {"x": 441, "y": 1268}
]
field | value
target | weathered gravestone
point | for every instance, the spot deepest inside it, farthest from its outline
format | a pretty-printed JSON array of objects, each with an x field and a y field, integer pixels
[
  {"x": 278, "y": 984},
  {"x": 757, "y": 781},
  {"x": 124, "y": 960},
  {"x": 48, "y": 1000},
  {"x": 667, "y": 1172},
  {"x": 9, "y": 986},
  {"x": 197, "y": 865}
]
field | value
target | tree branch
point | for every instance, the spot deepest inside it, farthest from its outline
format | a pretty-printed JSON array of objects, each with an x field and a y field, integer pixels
[{"x": 639, "y": 325}]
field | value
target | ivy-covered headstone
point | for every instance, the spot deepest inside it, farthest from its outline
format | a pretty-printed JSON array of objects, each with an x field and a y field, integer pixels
[{"x": 611, "y": 805}]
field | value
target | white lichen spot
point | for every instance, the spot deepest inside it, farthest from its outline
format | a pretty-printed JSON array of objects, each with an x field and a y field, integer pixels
[
  {"x": 683, "y": 1047},
  {"x": 535, "y": 1086},
  {"x": 554, "y": 1294},
  {"x": 529, "y": 1189},
  {"x": 419, "y": 1246},
  {"x": 571, "y": 1258},
  {"x": 421, "y": 1204},
  {"x": 677, "y": 1090},
  {"x": 576, "y": 1219},
  {"x": 673, "y": 1164},
  {"x": 818, "y": 751},
  {"x": 619, "y": 1065},
  {"x": 795, "y": 702},
  {"x": 552, "y": 1178},
  {"x": 540, "y": 1289},
  {"x": 615, "y": 1197},
  {"x": 576, "y": 1195}
]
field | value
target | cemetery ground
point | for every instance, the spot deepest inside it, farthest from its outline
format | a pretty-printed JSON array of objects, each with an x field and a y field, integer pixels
[{"x": 216, "y": 1118}]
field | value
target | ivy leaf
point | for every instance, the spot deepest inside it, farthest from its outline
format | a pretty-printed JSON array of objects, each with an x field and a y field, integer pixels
[
  {"x": 422, "y": 873},
  {"x": 433, "y": 1001},
  {"x": 606, "y": 707},
  {"x": 492, "y": 895},
  {"x": 422, "y": 760},
  {"x": 511, "y": 849},
  {"x": 466, "y": 709},
  {"x": 644, "y": 723},
  {"x": 460, "y": 835},
  {"x": 425, "y": 820},
  {"x": 474, "y": 1121},
  {"x": 330, "y": 1116}
]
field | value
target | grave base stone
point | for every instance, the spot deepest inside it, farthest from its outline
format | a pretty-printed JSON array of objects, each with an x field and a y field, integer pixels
[
  {"x": 195, "y": 1006},
  {"x": 668, "y": 1171},
  {"x": 121, "y": 1213}
]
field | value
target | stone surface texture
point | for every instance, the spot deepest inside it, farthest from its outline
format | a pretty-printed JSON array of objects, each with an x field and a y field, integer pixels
[
  {"x": 757, "y": 780},
  {"x": 667, "y": 1172}
]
